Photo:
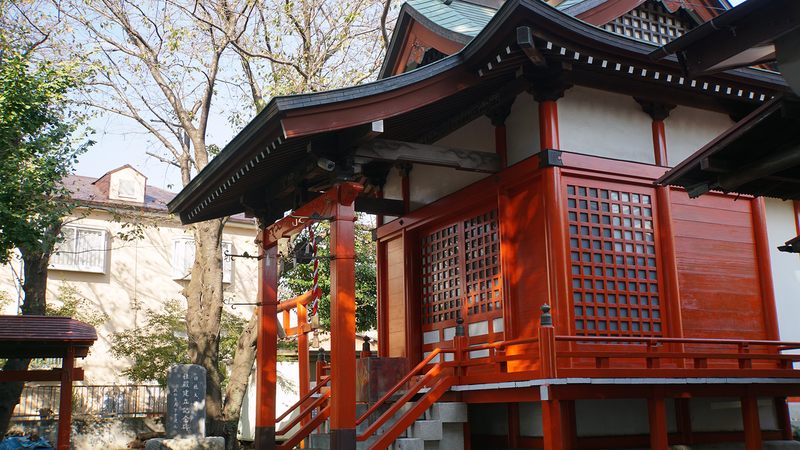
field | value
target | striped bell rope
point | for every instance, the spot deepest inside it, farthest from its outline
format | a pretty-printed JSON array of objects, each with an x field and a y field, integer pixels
[{"x": 315, "y": 292}]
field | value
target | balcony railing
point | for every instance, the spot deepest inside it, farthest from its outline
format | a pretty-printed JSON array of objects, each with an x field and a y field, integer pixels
[{"x": 41, "y": 402}]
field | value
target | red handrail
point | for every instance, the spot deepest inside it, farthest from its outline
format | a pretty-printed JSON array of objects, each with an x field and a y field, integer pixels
[
  {"x": 300, "y": 416},
  {"x": 430, "y": 375},
  {"x": 305, "y": 397},
  {"x": 666, "y": 340},
  {"x": 401, "y": 383},
  {"x": 307, "y": 429}
]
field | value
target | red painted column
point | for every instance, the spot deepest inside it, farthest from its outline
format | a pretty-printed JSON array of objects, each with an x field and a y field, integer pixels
[
  {"x": 267, "y": 347},
  {"x": 784, "y": 418},
  {"x": 500, "y": 144},
  {"x": 660, "y": 143},
  {"x": 558, "y": 240},
  {"x": 764, "y": 269},
  {"x": 405, "y": 187},
  {"x": 513, "y": 424},
  {"x": 669, "y": 254},
  {"x": 558, "y": 249},
  {"x": 65, "y": 405},
  {"x": 657, "y": 414},
  {"x": 343, "y": 318},
  {"x": 750, "y": 420},
  {"x": 551, "y": 424},
  {"x": 548, "y": 125},
  {"x": 304, "y": 372}
]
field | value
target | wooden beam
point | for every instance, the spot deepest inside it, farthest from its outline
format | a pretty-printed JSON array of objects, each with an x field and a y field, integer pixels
[
  {"x": 399, "y": 151},
  {"x": 525, "y": 42},
  {"x": 380, "y": 206},
  {"x": 38, "y": 375}
]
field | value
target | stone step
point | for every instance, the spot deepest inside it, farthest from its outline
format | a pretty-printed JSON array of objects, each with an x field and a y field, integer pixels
[
  {"x": 447, "y": 412},
  {"x": 427, "y": 430},
  {"x": 408, "y": 444}
]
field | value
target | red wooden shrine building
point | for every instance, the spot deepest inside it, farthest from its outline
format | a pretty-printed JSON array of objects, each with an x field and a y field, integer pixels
[{"x": 510, "y": 153}]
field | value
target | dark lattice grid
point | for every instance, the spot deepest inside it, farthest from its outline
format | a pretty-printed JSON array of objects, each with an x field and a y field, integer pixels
[
  {"x": 452, "y": 286},
  {"x": 482, "y": 258},
  {"x": 614, "y": 262},
  {"x": 650, "y": 22},
  {"x": 441, "y": 281}
]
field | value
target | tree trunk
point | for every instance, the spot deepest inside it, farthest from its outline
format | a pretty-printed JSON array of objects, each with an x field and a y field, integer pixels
[
  {"x": 204, "y": 297},
  {"x": 35, "y": 287},
  {"x": 237, "y": 382}
]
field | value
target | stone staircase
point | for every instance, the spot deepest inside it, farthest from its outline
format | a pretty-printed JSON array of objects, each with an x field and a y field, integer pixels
[{"x": 440, "y": 427}]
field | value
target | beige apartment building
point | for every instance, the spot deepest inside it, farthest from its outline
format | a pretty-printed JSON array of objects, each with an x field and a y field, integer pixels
[{"x": 123, "y": 278}]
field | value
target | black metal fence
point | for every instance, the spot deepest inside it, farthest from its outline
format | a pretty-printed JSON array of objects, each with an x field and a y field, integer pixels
[{"x": 42, "y": 402}]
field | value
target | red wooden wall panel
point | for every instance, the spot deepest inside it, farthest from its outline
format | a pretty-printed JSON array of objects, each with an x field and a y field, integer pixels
[{"x": 717, "y": 270}]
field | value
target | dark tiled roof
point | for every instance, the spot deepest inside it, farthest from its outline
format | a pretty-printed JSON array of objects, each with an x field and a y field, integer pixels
[
  {"x": 43, "y": 336},
  {"x": 44, "y": 329},
  {"x": 83, "y": 189}
]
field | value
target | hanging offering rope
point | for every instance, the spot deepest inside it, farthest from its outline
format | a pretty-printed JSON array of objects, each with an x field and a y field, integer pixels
[{"x": 315, "y": 292}]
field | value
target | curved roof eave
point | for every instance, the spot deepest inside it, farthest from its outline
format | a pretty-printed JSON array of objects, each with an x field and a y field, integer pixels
[
  {"x": 408, "y": 14},
  {"x": 266, "y": 129}
]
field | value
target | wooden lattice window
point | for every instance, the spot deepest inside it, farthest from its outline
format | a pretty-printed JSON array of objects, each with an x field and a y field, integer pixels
[
  {"x": 461, "y": 278},
  {"x": 650, "y": 22},
  {"x": 614, "y": 261},
  {"x": 441, "y": 276}
]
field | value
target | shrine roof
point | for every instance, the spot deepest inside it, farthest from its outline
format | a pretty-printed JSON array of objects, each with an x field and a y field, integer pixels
[
  {"x": 43, "y": 336},
  {"x": 752, "y": 157},
  {"x": 426, "y": 104},
  {"x": 460, "y": 17}
]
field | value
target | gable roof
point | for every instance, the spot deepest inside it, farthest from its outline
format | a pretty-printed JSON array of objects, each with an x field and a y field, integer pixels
[
  {"x": 43, "y": 336},
  {"x": 420, "y": 105}
]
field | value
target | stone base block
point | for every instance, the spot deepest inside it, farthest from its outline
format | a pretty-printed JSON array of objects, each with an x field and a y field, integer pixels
[{"x": 206, "y": 443}]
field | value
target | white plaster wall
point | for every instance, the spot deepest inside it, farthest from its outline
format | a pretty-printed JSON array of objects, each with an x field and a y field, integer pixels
[
  {"x": 785, "y": 267},
  {"x": 618, "y": 417},
  {"x": 530, "y": 419},
  {"x": 725, "y": 414},
  {"x": 138, "y": 271},
  {"x": 689, "y": 129},
  {"x": 600, "y": 123},
  {"x": 477, "y": 135},
  {"x": 430, "y": 183},
  {"x": 522, "y": 129}
]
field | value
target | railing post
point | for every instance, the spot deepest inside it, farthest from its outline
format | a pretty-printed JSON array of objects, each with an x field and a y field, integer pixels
[
  {"x": 459, "y": 344},
  {"x": 365, "y": 350},
  {"x": 547, "y": 344},
  {"x": 320, "y": 365},
  {"x": 744, "y": 347},
  {"x": 653, "y": 363}
]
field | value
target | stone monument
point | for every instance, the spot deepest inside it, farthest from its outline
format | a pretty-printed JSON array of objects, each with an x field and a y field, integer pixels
[
  {"x": 186, "y": 412},
  {"x": 186, "y": 402}
]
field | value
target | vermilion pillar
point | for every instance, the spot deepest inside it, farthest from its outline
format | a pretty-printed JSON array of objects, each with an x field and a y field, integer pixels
[
  {"x": 764, "y": 269},
  {"x": 498, "y": 117},
  {"x": 267, "y": 350},
  {"x": 548, "y": 124},
  {"x": 669, "y": 262},
  {"x": 65, "y": 406},
  {"x": 343, "y": 320}
]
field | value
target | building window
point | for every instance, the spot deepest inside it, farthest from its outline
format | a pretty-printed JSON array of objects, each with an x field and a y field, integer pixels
[
  {"x": 82, "y": 249},
  {"x": 183, "y": 258},
  {"x": 127, "y": 188},
  {"x": 615, "y": 273}
]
